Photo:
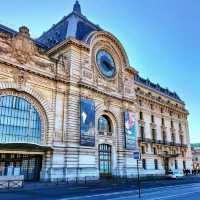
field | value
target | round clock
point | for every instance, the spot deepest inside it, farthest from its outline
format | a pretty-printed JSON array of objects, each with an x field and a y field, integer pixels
[{"x": 106, "y": 63}]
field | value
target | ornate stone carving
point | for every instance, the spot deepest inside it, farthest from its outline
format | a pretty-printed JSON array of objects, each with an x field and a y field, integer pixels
[
  {"x": 107, "y": 102},
  {"x": 43, "y": 63},
  {"x": 87, "y": 74},
  {"x": 87, "y": 94},
  {"x": 100, "y": 36},
  {"x": 20, "y": 77},
  {"x": 4, "y": 35},
  {"x": 5, "y": 43},
  {"x": 63, "y": 64},
  {"x": 22, "y": 46}
]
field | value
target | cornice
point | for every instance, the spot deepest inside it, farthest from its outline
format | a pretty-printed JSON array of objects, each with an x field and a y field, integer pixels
[
  {"x": 82, "y": 84},
  {"x": 53, "y": 77},
  {"x": 68, "y": 42},
  {"x": 95, "y": 35},
  {"x": 131, "y": 70},
  {"x": 161, "y": 102},
  {"x": 158, "y": 92}
]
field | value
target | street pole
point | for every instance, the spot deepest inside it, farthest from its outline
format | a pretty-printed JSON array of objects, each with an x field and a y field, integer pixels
[{"x": 139, "y": 187}]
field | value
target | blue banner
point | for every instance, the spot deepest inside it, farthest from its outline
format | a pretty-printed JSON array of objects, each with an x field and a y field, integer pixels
[
  {"x": 130, "y": 130},
  {"x": 87, "y": 122}
]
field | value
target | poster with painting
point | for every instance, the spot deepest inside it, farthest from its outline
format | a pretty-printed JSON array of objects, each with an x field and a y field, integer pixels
[
  {"x": 87, "y": 122},
  {"x": 130, "y": 130}
]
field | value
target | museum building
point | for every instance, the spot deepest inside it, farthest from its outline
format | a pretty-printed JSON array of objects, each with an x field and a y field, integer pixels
[{"x": 71, "y": 106}]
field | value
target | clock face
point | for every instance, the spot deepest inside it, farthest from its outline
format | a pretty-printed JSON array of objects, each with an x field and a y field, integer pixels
[{"x": 106, "y": 63}]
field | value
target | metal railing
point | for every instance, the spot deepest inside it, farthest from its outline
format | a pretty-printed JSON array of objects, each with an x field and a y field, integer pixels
[
  {"x": 105, "y": 133},
  {"x": 154, "y": 141},
  {"x": 7, "y": 184}
]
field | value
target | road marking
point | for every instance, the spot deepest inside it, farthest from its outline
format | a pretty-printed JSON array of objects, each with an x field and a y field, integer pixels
[
  {"x": 174, "y": 195},
  {"x": 98, "y": 195},
  {"x": 153, "y": 198},
  {"x": 174, "y": 186},
  {"x": 148, "y": 191},
  {"x": 74, "y": 188},
  {"x": 98, "y": 189}
]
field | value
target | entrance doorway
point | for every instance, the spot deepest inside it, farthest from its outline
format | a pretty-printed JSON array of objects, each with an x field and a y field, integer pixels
[
  {"x": 21, "y": 164},
  {"x": 166, "y": 165},
  {"x": 105, "y": 160}
]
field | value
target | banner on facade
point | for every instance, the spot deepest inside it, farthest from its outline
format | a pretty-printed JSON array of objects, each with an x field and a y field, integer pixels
[
  {"x": 130, "y": 130},
  {"x": 87, "y": 122}
]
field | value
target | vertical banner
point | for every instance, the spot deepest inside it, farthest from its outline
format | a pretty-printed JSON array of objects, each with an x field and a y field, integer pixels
[
  {"x": 87, "y": 122},
  {"x": 130, "y": 130}
]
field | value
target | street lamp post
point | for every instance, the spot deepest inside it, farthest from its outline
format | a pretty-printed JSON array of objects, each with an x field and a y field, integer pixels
[{"x": 136, "y": 156}]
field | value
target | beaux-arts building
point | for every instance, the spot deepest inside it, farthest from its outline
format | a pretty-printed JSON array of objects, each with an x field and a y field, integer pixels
[
  {"x": 196, "y": 156},
  {"x": 72, "y": 106}
]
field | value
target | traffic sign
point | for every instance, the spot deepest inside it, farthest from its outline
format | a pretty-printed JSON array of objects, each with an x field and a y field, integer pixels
[{"x": 136, "y": 155}]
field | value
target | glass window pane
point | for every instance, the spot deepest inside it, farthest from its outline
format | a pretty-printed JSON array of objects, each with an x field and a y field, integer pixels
[{"x": 19, "y": 120}]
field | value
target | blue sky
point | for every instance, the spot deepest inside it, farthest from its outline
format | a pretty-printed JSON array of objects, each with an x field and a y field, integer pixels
[{"x": 161, "y": 37}]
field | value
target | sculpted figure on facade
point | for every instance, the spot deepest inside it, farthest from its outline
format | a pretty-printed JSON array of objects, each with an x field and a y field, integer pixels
[
  {"x": 20, "y": 77},
  {"x": 22, "y": 47}
]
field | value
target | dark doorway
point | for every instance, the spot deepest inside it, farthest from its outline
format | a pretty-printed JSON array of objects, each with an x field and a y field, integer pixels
[
  {"x": 105, "y": 160},
  {"x": 21, "y": 164},
  {"x": 166, "y": 165}
]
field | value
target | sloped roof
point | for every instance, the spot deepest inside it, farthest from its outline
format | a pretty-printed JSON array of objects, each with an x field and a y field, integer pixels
[
  {"x": 157, "y": 88},
  {"x": 74, "y": 25},
  {"x": 7, "y": 30}
]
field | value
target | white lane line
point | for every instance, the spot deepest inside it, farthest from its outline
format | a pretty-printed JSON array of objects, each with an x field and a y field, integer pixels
[
  {"x": 77, "y": 188},
  {"x": 98, "y": 195},
  {"x": 153, "y": 198},
  {"x": 98, "y": 189},
  {"x": 148, "y": 194},
  {"x": 172, "y": 187},
  {"x": 175, "y": 195},
  {"x": 148, "y": 191}
]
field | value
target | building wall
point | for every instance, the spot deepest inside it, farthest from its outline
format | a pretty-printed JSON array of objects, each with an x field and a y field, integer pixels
[
  {"x": 55, "y": 81},
  {"x": 196, "y": 158},
  {"x": 150, "y": 104}
]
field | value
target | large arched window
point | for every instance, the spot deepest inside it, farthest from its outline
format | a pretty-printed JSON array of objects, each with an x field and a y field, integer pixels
[
  {"x": 19, "y": 121},
  {"x": 104, "y": 125}
]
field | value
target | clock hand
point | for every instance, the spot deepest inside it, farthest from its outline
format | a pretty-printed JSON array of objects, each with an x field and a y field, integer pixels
[{"x": 107, "y": 64}]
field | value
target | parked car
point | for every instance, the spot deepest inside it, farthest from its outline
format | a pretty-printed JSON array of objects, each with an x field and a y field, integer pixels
[{"x": 175, "y": 175}]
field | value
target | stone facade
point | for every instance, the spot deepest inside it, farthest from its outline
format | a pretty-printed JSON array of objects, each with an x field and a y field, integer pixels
[
  {"x": 168, "y": 120},
  {"x": 54, "y": 79},
  {"x": 196, "y": 156}
]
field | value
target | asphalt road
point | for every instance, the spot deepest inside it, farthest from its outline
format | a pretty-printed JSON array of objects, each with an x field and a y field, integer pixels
[
  {"x": 186, "y": 189},
  {"x": 181, "y": 192}
]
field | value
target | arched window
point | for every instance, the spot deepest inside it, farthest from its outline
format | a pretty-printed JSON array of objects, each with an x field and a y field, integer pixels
[
  {"x": 19, "y": 121},
  {"x": 104, "y": 125}
]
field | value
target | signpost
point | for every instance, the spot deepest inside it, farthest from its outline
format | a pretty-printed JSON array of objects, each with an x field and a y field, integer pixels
[{"x": 136, "y": 156}]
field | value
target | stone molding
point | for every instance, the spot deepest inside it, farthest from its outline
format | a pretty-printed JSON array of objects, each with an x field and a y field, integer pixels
[
  {"x": 28, "y": 93},
  {"x": 98, "y": 34}
]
